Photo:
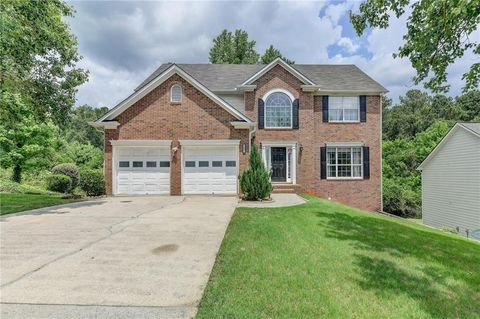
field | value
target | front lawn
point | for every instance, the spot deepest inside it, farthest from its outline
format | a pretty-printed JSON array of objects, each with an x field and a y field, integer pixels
[
  {"x": 326, "y": 260},
  {"x": 13, "y": 203}
]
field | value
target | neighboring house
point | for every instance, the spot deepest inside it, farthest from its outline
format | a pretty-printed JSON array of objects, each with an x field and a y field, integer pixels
[
  {"x": 451, "y": 181},
  {"x": 188, "y": 129}
]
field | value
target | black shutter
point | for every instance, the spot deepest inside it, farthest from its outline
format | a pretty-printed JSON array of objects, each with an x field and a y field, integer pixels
[
  {"x": 363, "y": 108},
  {"x": 261, "y": 113},
  {"x": 323, "y": 162},
  {"x": 366, "y": 162},
  {"x": 325, "y": 108},
  {"x": 295, "y": 114}
]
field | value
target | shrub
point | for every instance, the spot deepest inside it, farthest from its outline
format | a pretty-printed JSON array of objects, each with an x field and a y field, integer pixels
[
  {"x": 59, "y": 183},
  {"x": 70, "y": 170},
  {"x": 92, "y": 182},
  {"x": 255, "y": 180}
]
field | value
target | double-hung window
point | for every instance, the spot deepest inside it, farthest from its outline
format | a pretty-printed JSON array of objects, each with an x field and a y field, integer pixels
[
  {"x": 344, "y": 162},
  {"x": 344, "y": 109}
]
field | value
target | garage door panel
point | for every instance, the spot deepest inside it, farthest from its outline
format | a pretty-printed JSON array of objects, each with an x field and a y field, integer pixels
[{"x": 210, "y": 179}]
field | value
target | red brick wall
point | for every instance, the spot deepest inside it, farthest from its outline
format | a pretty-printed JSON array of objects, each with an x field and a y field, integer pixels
[
  {"x": 313, "y": 134},
  {"x": 154, "y": 117}
]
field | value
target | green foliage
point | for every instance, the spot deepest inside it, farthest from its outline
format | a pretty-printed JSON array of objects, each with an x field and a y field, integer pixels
[
  {"x": 78, "y": 129},
  {"x": 83, "y": 155},
  {"x": 59, "y": 183},
  {"x": 233, "y": 49},
  {"x": 70, "y": 170},
  {"x": 92, "y": 182},
  {"x": 271, "y": 54},
  {"x": 24, "y": 143},
  {"x": 255, "y": 179},
  {"x": 439, "y": 32},
  {"x": 7, "y": 186},
  {"x": 401, "y": 180},
  {"x": 39, "y": 56},
  {"x": 236, "y": 48}
]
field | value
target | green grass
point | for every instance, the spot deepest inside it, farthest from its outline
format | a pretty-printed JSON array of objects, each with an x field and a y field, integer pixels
[
  {"x": 326, "y": 260},
  {"x": 14, "y": 203}
]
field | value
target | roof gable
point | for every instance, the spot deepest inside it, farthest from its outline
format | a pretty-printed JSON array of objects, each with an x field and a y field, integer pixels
[
  {"x": 271, "y": 65},
  {"x": 159, "y": 79},
  {"x": 447, "y": 137}
]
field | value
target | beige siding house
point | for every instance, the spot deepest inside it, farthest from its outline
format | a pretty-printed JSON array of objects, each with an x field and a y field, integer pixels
[{"x": 451, "y": 182}]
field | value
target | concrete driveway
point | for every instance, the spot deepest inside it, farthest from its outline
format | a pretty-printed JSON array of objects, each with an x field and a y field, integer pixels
[{"x": 121, "y": 257}]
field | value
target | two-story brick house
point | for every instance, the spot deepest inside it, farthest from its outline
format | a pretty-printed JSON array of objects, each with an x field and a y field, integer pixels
[{"x": 188, "y": 129}]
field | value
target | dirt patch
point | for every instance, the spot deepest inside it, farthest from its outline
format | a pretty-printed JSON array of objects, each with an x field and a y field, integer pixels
[{"x": 170, "y": 248}]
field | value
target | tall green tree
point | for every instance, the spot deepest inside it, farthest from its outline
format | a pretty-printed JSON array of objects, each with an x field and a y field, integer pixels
[
  {"x": 24, "y": 143},
  {"x": 439, "y": 32},
  {"x": 271, "y": 54},
  {"x": 234, "y": 48},
  {"x": 39, "y": 56},
  {"x": 78, "y": 128}
]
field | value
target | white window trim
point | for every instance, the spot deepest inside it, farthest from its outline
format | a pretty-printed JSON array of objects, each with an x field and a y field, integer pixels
[
  {"x": 290, "y": 96},
  {"x": 266, "y": 154},
  {"x": 171, "y": 93},
  {"x": 351, "y": 146},
  {"x": 343, "y": 110}
]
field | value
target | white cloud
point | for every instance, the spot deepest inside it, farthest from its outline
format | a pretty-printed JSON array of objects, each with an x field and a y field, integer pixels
[{"x": 348, "y": 45}]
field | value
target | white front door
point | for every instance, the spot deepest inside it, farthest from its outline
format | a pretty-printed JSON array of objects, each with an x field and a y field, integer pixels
[
  {"x": 210, "y": 170},
  {"x": 142, "y": 170}
]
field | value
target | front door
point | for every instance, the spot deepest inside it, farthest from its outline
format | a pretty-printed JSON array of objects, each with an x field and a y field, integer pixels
[{"x": 279, "y": 164}]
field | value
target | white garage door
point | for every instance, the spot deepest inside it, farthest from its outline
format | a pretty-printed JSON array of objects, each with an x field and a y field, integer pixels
[
  {"x": 210, "y": 170},
  {"x": 143, "y": 170}
]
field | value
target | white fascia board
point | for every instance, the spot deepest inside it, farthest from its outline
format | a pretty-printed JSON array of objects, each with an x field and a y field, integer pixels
[
  {"x": 105, "y": 125},
  {"x": 247, "y": 88},
  {"x": 349, "y": 92},
  {"x": 310, "y": 88},
  {"x": 174, "y": 69},
  {"x": 209, "y": 142},
  {"x": 344, "y": 144},
  {"x": 130, "y": 143},
  {"x": 242, "y": 125},
  {"x": 278, "y": 143},
  {"x": 438, "y": 147},
  {"x": 285, "y": 65}
]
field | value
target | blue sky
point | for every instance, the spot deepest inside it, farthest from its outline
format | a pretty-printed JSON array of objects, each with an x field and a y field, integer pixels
[{"x": 123, "y": 41}]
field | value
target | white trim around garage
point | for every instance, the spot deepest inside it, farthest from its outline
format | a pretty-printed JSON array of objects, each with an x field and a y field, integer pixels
[{"x": 209, "y": 142}]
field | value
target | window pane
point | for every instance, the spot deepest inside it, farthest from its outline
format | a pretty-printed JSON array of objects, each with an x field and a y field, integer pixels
[
  {"x": 331, "y": 171},
  {"x": 137, "y": 164},
  {"x": 176, "y": 93},
  {"x": 151, "y": 164},
  {"x": 189, "y": 163},
  {"x": 331, "y": 156},
  {"x": 357, "y": 155},
  {"x": 230, "y": 163},
  {"x": 334, "y": 103},
  {"x": 203, "y": 164},
  {"x": 344, "y": 156},
  {"x": 357, "y": 171},
  {"x": 351, "y": 115},
  {"x": 335, "y": 115},
  {"x": 216, "y": 163},
  {"x": 124, "y": 164},
  {"x": 344, "y": 171},
  {"x": 164, "y": 164},
  {"x": 278, "y": 110}
]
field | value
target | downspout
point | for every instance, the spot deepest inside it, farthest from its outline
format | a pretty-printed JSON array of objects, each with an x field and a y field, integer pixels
[{"x": 250, "y": 133}]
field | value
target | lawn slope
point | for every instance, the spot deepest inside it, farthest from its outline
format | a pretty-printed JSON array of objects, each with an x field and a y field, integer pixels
[
  {"x": 13, "y": 203},
  {"x": 323, "y": 259}
]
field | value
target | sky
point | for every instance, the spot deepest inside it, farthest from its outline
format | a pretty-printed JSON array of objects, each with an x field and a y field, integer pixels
[{"x": 122, "y": 42}]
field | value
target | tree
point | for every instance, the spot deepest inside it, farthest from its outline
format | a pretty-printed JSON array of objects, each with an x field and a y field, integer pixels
[
  {"x": 23, "y": 141},
  {"x": 255, "y": 179},
  {"x": 438, "y": 33},
  {"x": 39, "y": 56},
  {"x": 271, "y": 54},
  {"x": 233, "y": 49},
  {"x": 78, "y": 128}
]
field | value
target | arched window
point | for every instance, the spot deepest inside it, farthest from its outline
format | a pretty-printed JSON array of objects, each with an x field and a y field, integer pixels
[
  {"x": 278, "y": 110},
  {"x": 176, "y": 93}
]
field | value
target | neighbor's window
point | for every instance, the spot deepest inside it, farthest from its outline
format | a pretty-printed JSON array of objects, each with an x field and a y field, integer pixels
[
  {"x": 278, "y": 110},
  {"x": 344, "y": 162},
  {"x": 176, "y": 93},
  {"x": 344, "y": 108}
]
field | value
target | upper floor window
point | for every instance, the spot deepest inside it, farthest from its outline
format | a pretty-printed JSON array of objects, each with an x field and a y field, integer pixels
[
  {"x": 344, "y": 109},
  {"x": 278, "y": 110},
  {"x": 176, "y": 93}
]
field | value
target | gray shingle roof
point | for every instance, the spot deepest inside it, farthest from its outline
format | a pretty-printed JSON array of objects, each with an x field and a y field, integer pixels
[
  {"x": 475, "y": 127},
  {"x": 226, "y": 77}
]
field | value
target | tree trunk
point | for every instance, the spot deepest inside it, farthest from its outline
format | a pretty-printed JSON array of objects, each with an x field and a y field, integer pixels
[{"x": 17, "y": 173}]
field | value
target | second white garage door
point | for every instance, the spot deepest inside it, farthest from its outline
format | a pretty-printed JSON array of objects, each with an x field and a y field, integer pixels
[{"x": 210, "y": 170}]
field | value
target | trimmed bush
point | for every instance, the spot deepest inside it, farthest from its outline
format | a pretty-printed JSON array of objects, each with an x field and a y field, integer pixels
[
  {"x": 255, "y": 180},
  {"x": 59, "y": 183},
  {"x": 92, "y": 182},
  {"x": 70, "y": 170}
]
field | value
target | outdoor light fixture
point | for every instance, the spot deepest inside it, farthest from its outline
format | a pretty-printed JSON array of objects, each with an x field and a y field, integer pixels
[{"x": 244, "y": 148}]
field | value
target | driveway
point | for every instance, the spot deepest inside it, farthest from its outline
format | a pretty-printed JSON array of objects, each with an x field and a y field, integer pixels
[{"x": 120, "y": 257}]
